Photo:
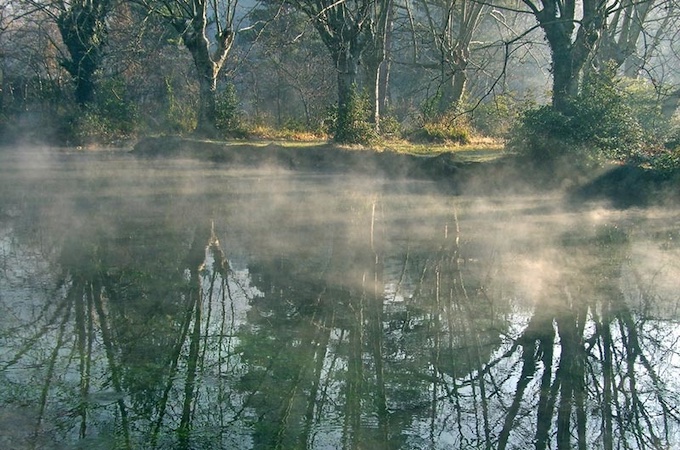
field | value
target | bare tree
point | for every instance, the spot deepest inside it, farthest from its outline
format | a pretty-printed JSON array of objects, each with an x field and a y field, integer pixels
[
  {"x": 452, "y": 25},
  {"x": 207, "y": 29},
  {"x": 348, "y": 28}
]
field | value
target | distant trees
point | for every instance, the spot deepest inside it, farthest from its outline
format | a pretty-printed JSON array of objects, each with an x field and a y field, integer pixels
[
  {"x": 325, "y": 65},
  {"x": 289, "y": 77}
]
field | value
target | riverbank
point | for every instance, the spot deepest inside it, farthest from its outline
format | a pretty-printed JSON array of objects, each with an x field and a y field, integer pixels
[
  {"x": 456, "y": 170},
  {"x": 495, "y": 173}
]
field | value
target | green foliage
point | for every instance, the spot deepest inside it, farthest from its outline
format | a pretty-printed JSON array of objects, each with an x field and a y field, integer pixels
[
  {"x": 228, "y": 117},
  {"x": 440, "y": 128},
  {"x": 109, "y": 118},
  {"x": 430, "y": 108},
  {"x": 352, "y": 124},
  {"x": 644, "y": 100},
  {"x": 495, "y": 118},
  {"x": 597, "y": 125},
  {"x": 180, "y": 117},
  {"x": 390, "y": 127},
  {"x": 447, "y": 129}
]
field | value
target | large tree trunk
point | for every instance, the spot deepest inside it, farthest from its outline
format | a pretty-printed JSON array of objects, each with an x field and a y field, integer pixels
[
  {"x": 454, "y": 83},
  {"x": 206, "y": 124},
  {"x": 207, "y": 71},
  {"x": 375, "y": 63},
  {"x": 208, "y": 65},
  {"x": 568, "y": 58},
  {"x": 347, "y": 62},
  {"x": 377, "y": 75},
  {"x": 83, "y": 31},
  {"x": 565, "y": 77}
]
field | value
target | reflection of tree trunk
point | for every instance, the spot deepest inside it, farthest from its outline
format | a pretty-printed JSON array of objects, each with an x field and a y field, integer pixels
[
  {"x": 171, "y": 373},
  {"x": 607, "y": 374},
  {"x": 352, "y": 425},
  {"x": 50, "y": 368},
  {"x": 643, "y": 425},
  {"x": 547, "y": 396},
  {"x": 320, "y": 344},
  {"x": 84, "y": 343},
  {"x": 537, "y": 335},
  {"x": 571, "y": 376},
  {"x": 192, "y": 362},
  {"x": 108, "y": 341},
  {"x": 375, "y": 318}
]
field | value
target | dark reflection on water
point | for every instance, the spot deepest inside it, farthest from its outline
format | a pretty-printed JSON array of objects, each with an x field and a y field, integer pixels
[{"x": 181, "y": 305}]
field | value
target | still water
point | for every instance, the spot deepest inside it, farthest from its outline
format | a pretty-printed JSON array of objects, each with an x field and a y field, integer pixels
[{"x": 176, "y": 304}]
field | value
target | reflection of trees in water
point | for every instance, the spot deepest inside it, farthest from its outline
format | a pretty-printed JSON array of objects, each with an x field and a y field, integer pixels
[
  {"x": 336, "y": 359},
  {"x": 309, "y": 342},
  {"x": 369, "y": 336},
  {"x": 434, "y": 362},
  {"x": 590, "y": 368},
  {"x": 121, "y": 350}
]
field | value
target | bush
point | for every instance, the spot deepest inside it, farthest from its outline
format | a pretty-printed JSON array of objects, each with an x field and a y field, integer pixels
[
  {"x": 180, "y": 115},
  {"x": 111, "y": 117},
  {"x": 645, "y": 102},
  {"x": 447, "y": 129},
  {"x": 228, "y": 116},
  {"x": 390, "y": 127},
  {"x": 496, "y": 118},
  {"x": 355, "y": 126},
  {"x": 598, "y": 125}
]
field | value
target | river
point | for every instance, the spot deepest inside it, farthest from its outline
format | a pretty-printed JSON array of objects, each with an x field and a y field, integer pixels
[{"x": 182, "y": 304}]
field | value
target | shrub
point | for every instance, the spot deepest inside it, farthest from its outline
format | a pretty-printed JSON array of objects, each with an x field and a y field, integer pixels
[
  {"x": 109, "y": 118},
  {"x": 355, "y": 126},
  {"x": 644, "y": 101},
  {"x": 180, "y": 116},
  {"x": 228, "y": 116},
  {"x": 598, "y": 125},
  {"x": 496, "y": 118},
  {"x": 447, "y": 129},
  {"x": 390, "y": 127}
]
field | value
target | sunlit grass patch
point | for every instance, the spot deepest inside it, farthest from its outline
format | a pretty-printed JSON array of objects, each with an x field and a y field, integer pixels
[
  {"x": 479, "y": 148},
  {"x": 296, "y": 134}
]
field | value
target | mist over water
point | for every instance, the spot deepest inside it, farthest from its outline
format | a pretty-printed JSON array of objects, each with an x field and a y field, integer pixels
[{"x": 181, "y": 304}]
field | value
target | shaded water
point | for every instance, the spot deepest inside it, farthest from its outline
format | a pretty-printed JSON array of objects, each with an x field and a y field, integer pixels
[{"x": 175, "y": 304}]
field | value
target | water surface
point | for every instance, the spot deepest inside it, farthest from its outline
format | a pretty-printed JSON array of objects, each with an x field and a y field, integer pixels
[{"x": 178, "y": 304}]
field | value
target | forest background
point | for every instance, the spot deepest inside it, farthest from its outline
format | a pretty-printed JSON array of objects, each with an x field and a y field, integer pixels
[{"x": 583, "y": 80}]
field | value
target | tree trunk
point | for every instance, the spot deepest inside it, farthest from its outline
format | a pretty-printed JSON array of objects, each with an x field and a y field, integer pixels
[
  {"x": 207, "y": 71},
  {"x": 568, "y": 58},
  {"x": 207, "y": 109},
  {"x": 374, "y": 70},
  {"x": 565, "y": 77},
  {"x": 83, "y": 31},
  {"x": 375, "y": 63},
  {"x": 453, "y": 89},
  {"x": 346, "y": 64}
]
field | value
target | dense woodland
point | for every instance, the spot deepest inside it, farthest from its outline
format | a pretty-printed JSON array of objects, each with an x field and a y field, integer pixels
[{"x": 559, "y": 77}]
